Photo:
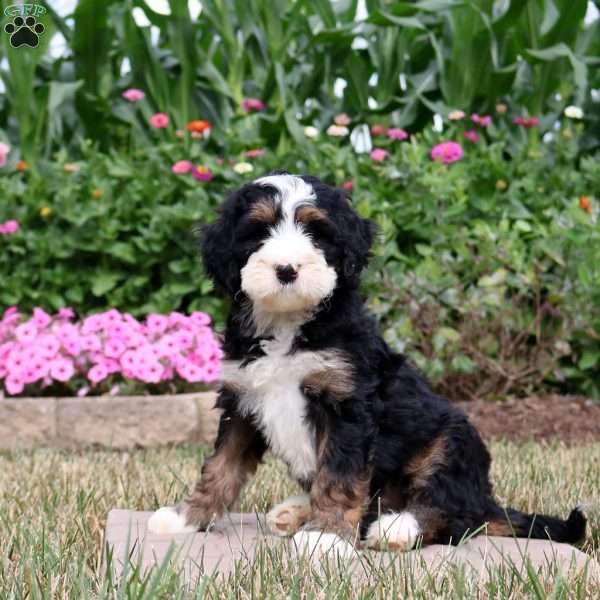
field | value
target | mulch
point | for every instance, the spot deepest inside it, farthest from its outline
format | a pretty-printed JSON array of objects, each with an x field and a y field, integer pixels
[{"x": 570, "y": 419}]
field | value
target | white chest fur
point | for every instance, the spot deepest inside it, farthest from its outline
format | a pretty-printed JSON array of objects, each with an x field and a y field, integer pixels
[{"x": 271, "y": 396}]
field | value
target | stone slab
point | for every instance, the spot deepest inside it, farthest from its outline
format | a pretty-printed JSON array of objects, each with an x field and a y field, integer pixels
[
  {"x": 27, "y": 422},
  {"x": 238, "y": 536},
  {"x": 127, "y": 422}
]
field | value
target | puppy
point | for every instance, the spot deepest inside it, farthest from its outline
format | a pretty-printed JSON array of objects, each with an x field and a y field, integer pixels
[{"x": 383, "y": 461}]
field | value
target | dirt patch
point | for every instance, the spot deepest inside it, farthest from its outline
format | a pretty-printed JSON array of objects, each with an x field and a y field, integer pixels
[{"x": 571, "y": 419}]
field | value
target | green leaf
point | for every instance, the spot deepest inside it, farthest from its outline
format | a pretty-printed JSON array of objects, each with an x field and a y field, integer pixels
[{"x": 104, "y": 282}]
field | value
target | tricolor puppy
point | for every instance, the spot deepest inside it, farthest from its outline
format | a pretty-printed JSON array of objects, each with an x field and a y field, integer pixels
[{"x": 383, "y": 461}]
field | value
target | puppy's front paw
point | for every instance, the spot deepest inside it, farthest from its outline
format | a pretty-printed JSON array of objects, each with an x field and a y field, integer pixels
[
  {"x": 316, "y": 544},
  {"x": 394, "y": 531},
  {"x": 167, "y": 520},
  {"x": 288, "y": 516}
]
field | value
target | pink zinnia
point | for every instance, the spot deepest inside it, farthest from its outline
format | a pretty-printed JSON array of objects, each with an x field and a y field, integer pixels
[
  {"x": 252, "y": 104},
  {"x": 471, "y": 135},
  {"x": 4, "y": 150},
  {"x": 527, "y": 121},
  {"x": 348, "y": 185},
  {"x": 133, "y": 95},
  {"x": 202, "y": 173},
  {"x": 255, "y": 152},
  {"x": 62, "y": 369},
  {"x": 11, "y": 226},
  {"x": 482, "y": 120},
  {"x": 379, "y": 154},
  {"x": 447, "y": 152},
  {"x": 397, "y": 134},
  {"x": 378, "y": 130},
  {"x": 159, "y": 120},
  {"x": 181, "y": 167}
]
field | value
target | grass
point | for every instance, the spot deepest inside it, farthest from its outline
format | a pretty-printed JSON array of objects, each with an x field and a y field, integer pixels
[{"x": 53, "y": 507}]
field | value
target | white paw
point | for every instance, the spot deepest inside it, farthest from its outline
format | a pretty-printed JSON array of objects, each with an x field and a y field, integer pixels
[
  {"x": 167, "y": 520},
  {"x": 316, "y": 544},
  {"x": 288, "y": 516},
  {"x": 394, "y": 531}
]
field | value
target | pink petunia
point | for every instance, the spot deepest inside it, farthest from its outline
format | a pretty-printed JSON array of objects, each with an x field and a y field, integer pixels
[
  {"x": 157, "y": 323},
  {"x": 181, "y": 167},
  {"x": 159, "y": 120},
  {"x": 90, "y": 343},
  {"x": 397, "y": 134},
  {"x": 114, "y": 347},
  {"x": 48, "y": 345},
  {"x": 471, "y": 135},
  {"x": 447, "y": 152},
  {"x": 252, "y": 104},
  {"x": 66, "y": 313},
  {"x": 97, "y": 373},
  {"x": 62, "y": 369},
  {"x": 26, "y": 333},
  {"x": 72, "y": 345},
  {"x": 14, "y": 385},
  {"x": 133, "y": 95},
  {"x": 200, "y": 318},
  {"x": 379, "y": 154},
  {"x": 254, "y": 153}
]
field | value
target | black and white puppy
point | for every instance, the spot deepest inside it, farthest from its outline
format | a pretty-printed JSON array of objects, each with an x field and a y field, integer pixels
[{"x": 382, "y": 459}]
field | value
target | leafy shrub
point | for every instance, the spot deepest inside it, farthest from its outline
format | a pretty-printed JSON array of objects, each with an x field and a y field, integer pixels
[
  {"x": 487, "y": 269},
  {"x": 407, "y": 60},
  {"x": 52, "y": 355}
]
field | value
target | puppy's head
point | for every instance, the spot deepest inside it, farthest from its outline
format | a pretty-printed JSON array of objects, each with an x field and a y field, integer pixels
[{"x": 287, "y": 243}]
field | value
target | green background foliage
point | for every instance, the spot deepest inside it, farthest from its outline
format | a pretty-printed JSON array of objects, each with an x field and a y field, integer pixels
[{"x": 486, "y": 271}]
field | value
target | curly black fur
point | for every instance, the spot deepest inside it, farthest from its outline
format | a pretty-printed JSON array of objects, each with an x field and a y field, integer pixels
[{"x": 419, "y": 451}]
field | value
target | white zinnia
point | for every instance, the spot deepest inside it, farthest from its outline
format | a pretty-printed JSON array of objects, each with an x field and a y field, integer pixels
[
  {"x": 573, "y": 112},
  {"x": 243, "y": 167},
  {"x": 337, "y": 130},
  {"x": 311, "y": 132}
]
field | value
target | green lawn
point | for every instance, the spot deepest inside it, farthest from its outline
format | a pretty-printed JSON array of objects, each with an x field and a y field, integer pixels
[{"x": 53, "y": 507}]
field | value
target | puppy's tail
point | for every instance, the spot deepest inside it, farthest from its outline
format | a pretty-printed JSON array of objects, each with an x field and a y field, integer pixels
[{"x": 511, "y": 522}]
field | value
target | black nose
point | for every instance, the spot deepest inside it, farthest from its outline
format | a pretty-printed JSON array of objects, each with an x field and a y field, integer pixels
[{"x": 286, "y": 273}]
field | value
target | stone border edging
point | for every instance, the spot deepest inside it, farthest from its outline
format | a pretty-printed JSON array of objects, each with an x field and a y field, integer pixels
[{"x": 116, "y": 422}]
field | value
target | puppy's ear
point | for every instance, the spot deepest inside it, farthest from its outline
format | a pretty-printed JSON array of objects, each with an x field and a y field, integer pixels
[
  {"x": 358, "y": 250},
  {"x": 217, "y": 248},
  {"x": 359, "y": 234}
]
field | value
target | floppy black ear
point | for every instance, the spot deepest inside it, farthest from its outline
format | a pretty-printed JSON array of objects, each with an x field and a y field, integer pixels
[
  {"x": 359, "y": 235},
  {"x": 358, "y": 249},
  {"x": 217, "y": 247}
]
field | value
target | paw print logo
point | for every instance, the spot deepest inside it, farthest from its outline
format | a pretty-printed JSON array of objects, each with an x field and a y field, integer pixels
[{"x": 24, "y": 32}]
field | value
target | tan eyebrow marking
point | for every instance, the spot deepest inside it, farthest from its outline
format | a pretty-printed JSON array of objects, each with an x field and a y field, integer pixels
[
  {"x": 307, "y": 214},
  {"x": 264, "y": 212}
]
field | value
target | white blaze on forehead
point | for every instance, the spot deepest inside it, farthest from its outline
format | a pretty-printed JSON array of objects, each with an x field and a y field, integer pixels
[{"x": 293, "y": 191}]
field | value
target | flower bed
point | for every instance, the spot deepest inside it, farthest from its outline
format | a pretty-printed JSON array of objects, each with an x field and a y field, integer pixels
[{"x": 105, "y": 352}]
